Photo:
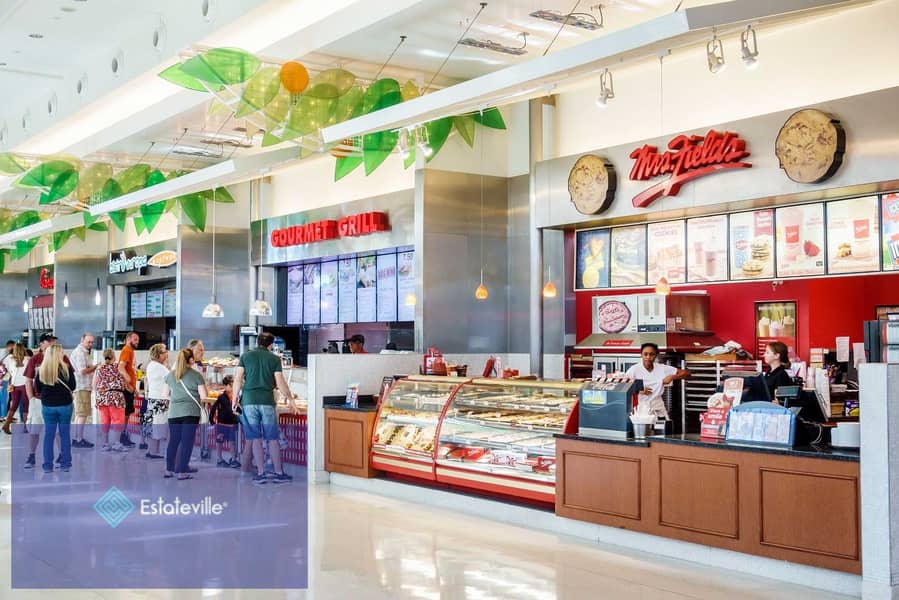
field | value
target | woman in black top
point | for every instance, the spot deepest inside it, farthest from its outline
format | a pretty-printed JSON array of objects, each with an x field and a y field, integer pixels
[
  {"x": 53, "y": 385},
  {"x": 777, "y": 357}
]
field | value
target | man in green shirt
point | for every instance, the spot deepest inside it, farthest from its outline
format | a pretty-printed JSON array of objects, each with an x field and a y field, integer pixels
[{"x": 258, "y": 374}]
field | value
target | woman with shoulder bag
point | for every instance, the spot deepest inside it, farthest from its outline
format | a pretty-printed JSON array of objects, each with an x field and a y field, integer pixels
[
  {"x": 186, "y": 412},
  {"x": 15, "y": 365},
  {"x": 54, "y": 384},
  {"x": 155, "y": 419}
]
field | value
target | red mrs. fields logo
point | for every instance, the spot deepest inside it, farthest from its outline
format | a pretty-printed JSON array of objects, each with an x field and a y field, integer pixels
[{"x": 690, "y": 156}]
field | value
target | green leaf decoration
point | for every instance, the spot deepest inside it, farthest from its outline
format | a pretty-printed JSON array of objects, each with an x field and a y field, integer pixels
[
  {"x": 60, "y": 238},
  {"x": 464, "y": 124},
  {"x": 222, "y": 196},
  {"x": 175, "y": 174},
  {"x": 330, "y": 84},
  {"x": 2, "y": 261},
  {"x": 410, "y": 159},
  {"x": 88, "y": 218},
  {"x": 381, "y": 94},
  {"x": 133, "y": 178},
  {"x": 44, "y": 175},
  {"x": 156, "y": 176},
  {"x": 80, "y": 233},
  {"x": 349, "y": 105},
  {"x": 139, "y": 225},
  {"x": 23, "y": 248},
  {"x": 150, "y": 214},
  {"x": 175, "y": 74},
  {"x": 376, "y": 147},
  {"x": 309, "y": 115},
  {"x": 409, "y": 91},
  {"x": 98, "y": 227},
  {"x": 270, "y": 140},
  {"x": 194, "y": 207},
  {"x": 10, "y": 164},
  {"x": 119, "y": 218},
  {"x": 260, "y": 90},
  {"x": 24, "y": 219},
  {"x": 346, "y": 165},
  {"x": 222, "y": 66},
  {"x": 276, "y": 111},
  {"x": 64, "y": 185},
  {"x": 91, "y": 181},
  {"x": 170, "y": 204},
  {"x": 490, "y": 118},
  {"x": 111, "y": 189},
  {"x": 438, "y": 131}
]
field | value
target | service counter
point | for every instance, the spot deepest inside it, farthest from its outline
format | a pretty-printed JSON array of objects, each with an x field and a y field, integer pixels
[
  {"x": 348, "y": 434},
  {"x": 800, "y": 505}
]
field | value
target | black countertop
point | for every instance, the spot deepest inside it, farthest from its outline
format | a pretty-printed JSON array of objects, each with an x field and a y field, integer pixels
[
  {"x": 692, "y": 439},
  {"x": 361, "y": 408}
]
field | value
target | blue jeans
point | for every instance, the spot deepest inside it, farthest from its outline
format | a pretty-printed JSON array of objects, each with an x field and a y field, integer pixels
[
  {"x": 260, "y": 421},
  {"x": 4, "y": 397},
  {"x": 57, "y": 417}
]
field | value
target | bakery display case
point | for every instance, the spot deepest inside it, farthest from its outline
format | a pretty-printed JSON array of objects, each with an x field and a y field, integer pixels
[
  {"x": 498, "y": 436},
  {"x": 405, "y": 436}
]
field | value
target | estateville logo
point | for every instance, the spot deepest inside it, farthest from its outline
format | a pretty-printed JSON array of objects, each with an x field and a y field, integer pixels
[
  {"x": 691, "y": 156},
  {"x": 114, "y": 507}
]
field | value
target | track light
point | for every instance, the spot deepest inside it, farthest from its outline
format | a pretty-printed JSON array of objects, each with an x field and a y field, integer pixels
[
  {"x": 606, "y": 89},
  {"x": 714, "y": 52},
  {"x": 405, "y": 143},
  {"x": 423, "y": 141},
  {"x": 749, "y": 48}
]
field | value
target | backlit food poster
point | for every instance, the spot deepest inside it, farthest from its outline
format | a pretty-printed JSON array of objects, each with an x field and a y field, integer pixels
[
  {"x": 139, "y": 305},
  {"x": 853, "y": 236},
  {"x": 890, "y": 215},
  {"x": 346, "y": 288},
  {"x": 628, "y": 256},
  {"x": 405, "y": 289},
  {"x": 311, "y": 293},
  {"x": 170, "y": 303},
  {"x": 329, "y": 305},
  {"x": 752, "y": 245},
  {"x": 775, "y": 322},
  {"x": 707, "y": 249},
  {"x": 666, "y": 245},
  {"x": 592, "y": 269},
  {"x": 295, "y": 295},
  {"x": 154, "y": 304},
  {"x": 800, "y": 240},
  {"x": 366, "y": 289},
  {"x": 386, "y": 288}
]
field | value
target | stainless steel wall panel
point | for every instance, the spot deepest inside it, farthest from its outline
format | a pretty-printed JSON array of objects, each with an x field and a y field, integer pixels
[
  {"x": 519, "y": 265},
  {"x": 82, "y": 315},
  {"x": 554, "y": 308},
  {"x": 12, "y": 294}
]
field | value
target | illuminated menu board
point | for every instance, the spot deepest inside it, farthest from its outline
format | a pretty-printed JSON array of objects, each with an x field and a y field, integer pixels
[
  {"x": 295, "y": 295},
  {"x": 346, "y": 290},
  {"x": 311, "y": 298},
  {"x": 329, "y": 303},
  {"x": 155, "y": 304},
  {"x": 170, "y": 303},
  {"x": 139, "y": 305},
  {"x": 405, "y": 287},
  {"x": 387, "y": 288},
  {"x": 366, "y": 289}
]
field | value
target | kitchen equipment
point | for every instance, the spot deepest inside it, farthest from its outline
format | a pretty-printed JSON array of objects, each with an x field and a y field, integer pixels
[{"x": 605, "y": 406}]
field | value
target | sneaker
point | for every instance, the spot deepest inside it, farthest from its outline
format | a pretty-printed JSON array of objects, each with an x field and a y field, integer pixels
[
  {"x": 234, "y": 464},
  {"x": 282, "y": 478},
  {"x": 65, "y": 468},
  {"x": 29, "y": 464},
  {"x": 48, "y": 469},
  {"x": 222, "y": 463},
  {"x": 106, "y": 448},
  {"x": 120, "y": 448},
  {"x": 127, "y": 444},
  {"x": 142, "y": 446},
  {"x": 86, "y": 444},
  {"x": 260, "y": 479},
  {"x": 153, "y": 456},
  {"x": 77, "y": 444},
  {"x": 59, "y": 460}
]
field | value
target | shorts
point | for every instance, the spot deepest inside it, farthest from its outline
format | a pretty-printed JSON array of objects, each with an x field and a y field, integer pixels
[
  {"x": 35, "y": 412},
  {"x": 82, "y": 403},
  {"x": 260, "y": 421},
  {"x": 112, "y": 414},
  {"x": 129, "y": 402},
  {"x": 224, "y": 432}
]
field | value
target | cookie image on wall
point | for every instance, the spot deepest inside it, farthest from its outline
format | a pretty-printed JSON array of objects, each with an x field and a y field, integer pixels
[
  {"x": 591, "y": 184},
  {"x": 810, "y": 146}
]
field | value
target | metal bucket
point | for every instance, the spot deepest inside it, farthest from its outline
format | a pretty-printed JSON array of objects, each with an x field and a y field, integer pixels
[{"x": 642, "y": 430}]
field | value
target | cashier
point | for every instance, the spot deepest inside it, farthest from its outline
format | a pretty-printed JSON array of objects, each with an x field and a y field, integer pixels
[
  {"x": 655, "y": 377},
  {"x": 357, "y": 344},
  {"x": 778, "y": 359}
]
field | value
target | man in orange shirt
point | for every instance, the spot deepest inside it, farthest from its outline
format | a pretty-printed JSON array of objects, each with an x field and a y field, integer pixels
[{"x": 129, "y": 376}]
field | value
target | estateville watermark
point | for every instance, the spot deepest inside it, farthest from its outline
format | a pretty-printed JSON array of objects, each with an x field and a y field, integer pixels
[{"x": 114, "y": 507}]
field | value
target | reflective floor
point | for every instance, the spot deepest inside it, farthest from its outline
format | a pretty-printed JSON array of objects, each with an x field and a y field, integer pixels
[{"x": 366, "y": 546}]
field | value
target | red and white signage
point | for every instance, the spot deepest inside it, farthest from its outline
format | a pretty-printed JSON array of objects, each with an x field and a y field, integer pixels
[
  {"x": 319, "y": 231},
  {"x": 46, "y": 281},
  {"x": 689, "y": 157}
]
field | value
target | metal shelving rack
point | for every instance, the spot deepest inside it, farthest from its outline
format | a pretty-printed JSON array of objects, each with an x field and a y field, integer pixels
[{"x": 705, "y": 377}]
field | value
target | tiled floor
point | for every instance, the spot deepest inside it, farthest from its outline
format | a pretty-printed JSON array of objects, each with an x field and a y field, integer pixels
[{"x": 368, "y": 546}]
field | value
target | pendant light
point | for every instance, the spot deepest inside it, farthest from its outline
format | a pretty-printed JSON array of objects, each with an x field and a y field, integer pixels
[
  {"x": 663, "y": 288},
  {"x": 97, "y": 299},
  {"x": 65, "y": 296},
  {"x": 213, "y": 310},
  {"x": 25, "y": 304},
  {"x": 481, "y": 292},
  {"x": 549, "y": 290},
  {"x": 260, "y": 307}
]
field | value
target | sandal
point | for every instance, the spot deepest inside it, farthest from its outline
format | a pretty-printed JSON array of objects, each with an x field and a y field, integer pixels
[
  {"x": 185, "y": 476},
  {"x": 168, "y": 475}
]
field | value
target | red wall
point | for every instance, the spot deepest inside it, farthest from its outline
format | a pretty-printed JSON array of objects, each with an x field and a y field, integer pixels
[{"x": 827, "y": 307}]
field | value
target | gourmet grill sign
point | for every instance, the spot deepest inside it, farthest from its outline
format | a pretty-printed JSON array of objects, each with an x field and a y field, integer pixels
[
  {"x": 319, "y": 231},
  {"x": 689, "y": 157}
]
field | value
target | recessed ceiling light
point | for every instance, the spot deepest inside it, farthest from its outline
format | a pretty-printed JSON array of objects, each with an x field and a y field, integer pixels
[
  {"x": 36, "y": 36},
  {"x": 68, "y": 9}
]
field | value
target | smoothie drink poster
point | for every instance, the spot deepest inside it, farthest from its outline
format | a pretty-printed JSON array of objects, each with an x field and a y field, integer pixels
[
  {"x": 752, "y": 245},
  {"x": 592, "y": 270},
  {"x": 707, "y": 249},
  {"x": 629, "y": 256},
  {"x": 890, "y": 215},
  {"x": 853, "y": 236},
  {"x": 775, "y": 322},
  {"x": 666, "y": 251},
  {"x": 800, "y": 240}
]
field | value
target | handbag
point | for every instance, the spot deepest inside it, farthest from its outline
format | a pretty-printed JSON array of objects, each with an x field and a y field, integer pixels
[
  {"x": 204, "y": 415},
  {"x": 160, "y": 417}
]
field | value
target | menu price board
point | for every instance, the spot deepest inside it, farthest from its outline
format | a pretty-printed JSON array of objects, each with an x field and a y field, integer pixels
[
  {"x": 592, "y": 269},
  {"x": 154, "y": 304},
  {"x": 775, "y": 322},
  {"x": 387, "y": 300},
  {"x": 628, "y": 256},
  {"x": 366, "y": 289},
  {"x": 170, "y": 303},
  {"x": 853, "y": 236},
  {"x": 405, "y": 287},
  {"x": 295, "y": 295},
  {"x": 707, "y": 249},
  {"x": 139, "y": 305},
  {"x": 329, "y": 304},
  {"x": 346, "y": 289},
  {"x": 890, "y": 219},
  {"x": 666, "y": 251},
  {"x": 311, "y": 298},
  {"x": 752, "y": 245},
  {"x": 800, "y": 240}
]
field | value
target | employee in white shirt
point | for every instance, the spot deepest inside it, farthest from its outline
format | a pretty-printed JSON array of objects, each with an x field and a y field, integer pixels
[{"x": 655, "y": 377}]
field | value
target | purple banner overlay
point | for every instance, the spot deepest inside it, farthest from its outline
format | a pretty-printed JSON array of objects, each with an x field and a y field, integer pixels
[{"x": 118, "y": 518}]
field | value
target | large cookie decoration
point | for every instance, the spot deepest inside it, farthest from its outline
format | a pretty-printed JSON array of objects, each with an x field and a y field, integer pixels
[
  {"x": 810, "y": 146},
  {"x": 591, "y": 184}
]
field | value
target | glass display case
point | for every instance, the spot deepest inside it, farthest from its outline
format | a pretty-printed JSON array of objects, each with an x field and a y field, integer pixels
[
  {"x": 498, "y": 436},
  {"x": 405, "y": 435}
]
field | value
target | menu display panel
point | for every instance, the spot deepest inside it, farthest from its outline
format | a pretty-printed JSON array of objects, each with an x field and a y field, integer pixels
[
  {"x": 752, "y": 245},
  {"x": 170, "y": 303},
  {"x": 666, "y": 251},
  {"x": 346, "y": 290},
  {"x": 311, "y": 297},
  {"x": 592, "y": 269},
  {"x": 890, "y": 220},
  {"x": 800, "y": 240},
  {"x": 139, "y": 305},
  {"x": 387, "y": 288},
  {"x": 628, "y": 256},
  {"x": 366, "y": 289},
  {"x": 155, "y": 304},
  {"x": 329, "y": 303},
  {"x": 707, "y": 249},
  {"x": 405, "y": 289},
  {"x": 295, "y": 295},
  {"x": 853, "y": 236}
]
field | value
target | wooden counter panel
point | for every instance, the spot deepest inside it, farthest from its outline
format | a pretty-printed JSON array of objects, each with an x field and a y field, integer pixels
[
  {"x": 607, "y": 485},
  {"x": 348, "y": 442},
  {"x": 699, "y": 496},
  {"x": 794, "y": 518}
]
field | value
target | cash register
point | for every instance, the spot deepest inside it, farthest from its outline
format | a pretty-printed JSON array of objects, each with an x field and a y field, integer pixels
[{"x": 605, "y": 406}]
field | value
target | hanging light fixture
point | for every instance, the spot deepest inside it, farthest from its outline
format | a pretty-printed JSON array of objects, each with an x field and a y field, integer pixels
[
  {"x": 423, "y": 141},
  {"x": 663, "y": 288},
  {"x": 25, "y": 304},
  {"x": 606, "y": 89},
  {"x": 549, "y": 290},
  {"x": 97, "y": 299},
  {"x": 405, "y": 143},
  {"x": 213, "y": 310},
  {"x": 481, "y": 292},
  {"x": 260, "y": 307},
  {"x": 65, "y": 296},
  {"x": 749, "y": 48},
  {"x": 714, "y": 52}
]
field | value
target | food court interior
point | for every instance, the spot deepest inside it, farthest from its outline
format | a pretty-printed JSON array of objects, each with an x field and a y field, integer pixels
[{"x": 463, "y": 224}]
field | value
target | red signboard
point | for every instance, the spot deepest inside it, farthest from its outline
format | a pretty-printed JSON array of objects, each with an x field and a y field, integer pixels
[
  {"x": 46, "y": 281},
  {"x": 318, "y": 231},
  {"x": 618, "y": 343},
  {"x": 689, "y": 157}
]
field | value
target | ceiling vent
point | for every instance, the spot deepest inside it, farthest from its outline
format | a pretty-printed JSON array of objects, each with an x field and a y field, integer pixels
[{"x": 581, "y": 20}]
